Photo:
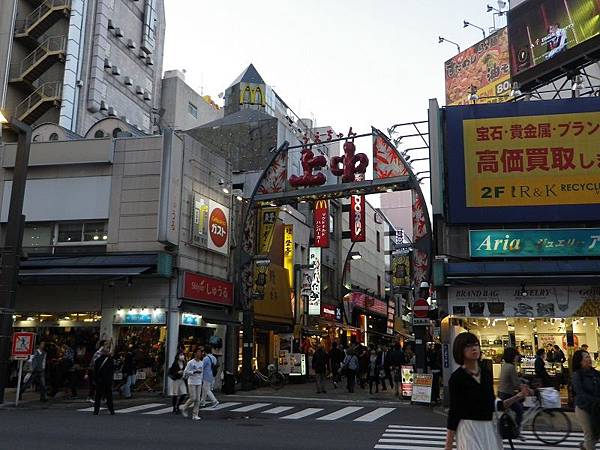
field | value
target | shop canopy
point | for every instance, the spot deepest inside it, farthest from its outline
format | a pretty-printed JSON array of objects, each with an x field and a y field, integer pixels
[{"x": 572, "y": 271}]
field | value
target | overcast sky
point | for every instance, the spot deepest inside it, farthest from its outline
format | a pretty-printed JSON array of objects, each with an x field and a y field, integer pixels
[{"x": 344, "y": 62}]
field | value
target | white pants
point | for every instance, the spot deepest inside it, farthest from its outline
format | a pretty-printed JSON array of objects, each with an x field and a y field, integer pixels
[
  {"x": 207, "y": 390},
  {"x": 194, "y": 398},
  {"x": 477, "y": 435}
]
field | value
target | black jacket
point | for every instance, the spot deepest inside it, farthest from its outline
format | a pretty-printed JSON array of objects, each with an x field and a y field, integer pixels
[
  {"x": 174, "y": 371},
  {"x": 541, "y": 372},
  {"x": 103, "y": 369},
  {"x": 586, "y": 386},
  {"x": 128, "y": 366},
  {"x": 319, "y": 361}
]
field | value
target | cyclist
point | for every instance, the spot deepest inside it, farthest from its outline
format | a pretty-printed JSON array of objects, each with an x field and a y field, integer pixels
[{"x": 510, "y": 383}]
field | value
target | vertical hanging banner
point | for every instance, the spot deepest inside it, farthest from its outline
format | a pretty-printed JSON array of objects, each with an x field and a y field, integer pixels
[
  {"x": 314, "y": 299},
  {"x": 321, "y": 223},
  {"x": 266, "y": 223},
  {"x": 358, "y": 232},
  {"x": 288, "y": 259}
]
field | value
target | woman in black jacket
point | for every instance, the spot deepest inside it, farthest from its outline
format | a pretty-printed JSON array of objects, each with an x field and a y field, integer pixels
[
  {"x": 586, "y": 386},
  {"x": 177, "y": 387},
  {"x": 104, "y": 368}
]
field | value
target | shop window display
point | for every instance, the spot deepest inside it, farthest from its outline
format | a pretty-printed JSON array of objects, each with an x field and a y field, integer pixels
[{"x": 147, "y": 344}]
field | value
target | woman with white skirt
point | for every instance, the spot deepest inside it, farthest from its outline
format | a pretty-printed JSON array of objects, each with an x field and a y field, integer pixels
[
  {"x": 472, "y": 400},
  {"x": 176, "y": 384}
]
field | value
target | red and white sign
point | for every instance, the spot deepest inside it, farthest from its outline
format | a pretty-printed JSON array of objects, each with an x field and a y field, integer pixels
[
  {"x": 22, "y": 345},
  {"x": 369, "y": 303},
  {"x": 420, "y": 308},
  {"x": 358, "y": 232},
  {"x": 218, "y": 228},
  {"x": 328, "y": 312},
  {"x": 321, "y": 223},
  {"x": 205, "y": 289}
]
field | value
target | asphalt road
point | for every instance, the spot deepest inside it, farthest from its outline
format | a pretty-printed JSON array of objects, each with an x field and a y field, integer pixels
[{"x": 330, "y": 426}]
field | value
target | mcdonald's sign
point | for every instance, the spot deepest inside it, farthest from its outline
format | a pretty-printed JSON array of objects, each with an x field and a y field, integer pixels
[
  {"x": 321, "y": 223},
  {"x": 358, "y": 232}
]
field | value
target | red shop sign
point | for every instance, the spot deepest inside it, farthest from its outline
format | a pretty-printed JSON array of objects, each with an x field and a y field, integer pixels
[
  {"x": 328, "y": 312},
  {"x": 357, "y": 218},
  {"x": 205, "y": 289},
  {"x": 321, "y": 223}
]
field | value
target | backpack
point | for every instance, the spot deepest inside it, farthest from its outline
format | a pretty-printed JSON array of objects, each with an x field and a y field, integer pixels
[
  {"x": 507, "y": 427},
  {"x": 214, "y": 365}
]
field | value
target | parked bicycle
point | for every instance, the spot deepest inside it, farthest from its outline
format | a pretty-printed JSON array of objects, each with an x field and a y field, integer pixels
[
  {"x": 549, "y": 425},
  {"x": 274, "y": 378}
]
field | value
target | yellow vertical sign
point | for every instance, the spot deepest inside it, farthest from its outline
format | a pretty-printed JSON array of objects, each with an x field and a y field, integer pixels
[{"x": 288, "y": 252}]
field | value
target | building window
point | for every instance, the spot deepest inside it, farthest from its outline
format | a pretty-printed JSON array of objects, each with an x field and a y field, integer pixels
[
  {"x": 35, "y": 138},
  {"x": 378, "y": 241},
  {"x": 193, "y": 110},
  {"x": 88, "y": 232},
  {"x": 116, "y": 132},
  {"x": 53, "y": 137},
  {"x": 37, "y": 237},
  {"x": 99, "y": 134},
  {"x": 378, "y": 285}
]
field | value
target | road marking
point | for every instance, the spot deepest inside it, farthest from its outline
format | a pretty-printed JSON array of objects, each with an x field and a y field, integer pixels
[
  {"x": 90, "y": 409},
  {"x": 160, "y": 411},
  {"x": 374, "y": 415},
  {"x": 278, "y": 410},
  {"x": 341, "y": 413},
  {"x": 221, "y": 406},
  {"x": 251, "y": 407},
  {"x": 303, "y": 413},
  {"x": 139, "y": 408}
]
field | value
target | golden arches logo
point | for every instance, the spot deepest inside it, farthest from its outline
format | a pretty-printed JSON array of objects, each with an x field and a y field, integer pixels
[{"x": 321, "y": 204}]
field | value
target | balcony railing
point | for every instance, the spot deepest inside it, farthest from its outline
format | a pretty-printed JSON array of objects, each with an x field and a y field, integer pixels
[
  {"x": 46, "y": 92},
  {"x": 52, "y": 44},
  {"x": 22, "y": 26}
]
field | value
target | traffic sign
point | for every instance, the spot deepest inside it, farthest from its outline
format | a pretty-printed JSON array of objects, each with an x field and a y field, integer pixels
[
  {"x": 420, "y": 308},
  {"x": 22, "y": 345},
  {"x": 419, "y": 322}
]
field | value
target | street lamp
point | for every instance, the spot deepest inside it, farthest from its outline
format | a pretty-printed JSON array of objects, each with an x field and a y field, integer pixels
[
  {"x": 355, "y": 255},
  {"x": 443, "y": 39},
  {"x": 11, "y": 253},
  {"x": 466, "y": 24}
]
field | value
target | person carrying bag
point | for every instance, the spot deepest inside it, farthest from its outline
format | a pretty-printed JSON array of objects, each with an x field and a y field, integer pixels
[{"x": 586, "y": 387}]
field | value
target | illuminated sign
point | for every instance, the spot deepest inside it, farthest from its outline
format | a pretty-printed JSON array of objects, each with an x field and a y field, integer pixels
[
  {"x": 140, "y": 316},
  {"x": 358, "y": 231},
  {"x": 266, "y": 224},
  {"x": 288, "y": 256},
  {"x": 206, "y": 289},
  {"x": 321, "y": 223},
  {"x": 210, "y": 225},
  {"x": 314, "y": 299}
]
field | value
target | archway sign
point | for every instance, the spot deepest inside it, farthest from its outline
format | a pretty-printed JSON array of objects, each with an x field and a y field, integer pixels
[{"x": 276, "y": 188}]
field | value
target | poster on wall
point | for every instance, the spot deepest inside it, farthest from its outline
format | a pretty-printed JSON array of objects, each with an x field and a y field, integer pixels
[
  {"x": 314, "y": 300},
  {"x": 524, "y": 162},
  {"x": 321, "y": 223},
  {"x": 524, "y": 301},
  {"x": 210, "y": 225},
  {"x": 485, "y": 67},
  {"x": 358, "y": 232}
]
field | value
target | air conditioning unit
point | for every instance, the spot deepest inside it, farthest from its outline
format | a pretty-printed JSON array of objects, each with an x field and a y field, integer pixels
[
  {"x": 139, "y": 90},
  {"x": 130, "y": 43},
  {"x": 142, "y": 54},
  {"x": 103, "y": 106},
  {"x": 116, "y": 71},
  {"x": 118, "y": 32},
  {"x": 107, "y": 64},
  {"x": 147, "y": 96},
  {"x": 149, "y": 61},
  {"x": 128, "y": 81},
  {"x": 111, "y": 25},
  {"x": 111, "y": 111}
]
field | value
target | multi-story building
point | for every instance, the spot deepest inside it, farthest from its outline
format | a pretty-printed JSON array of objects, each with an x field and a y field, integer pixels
[{"x": 75, "y": 62}]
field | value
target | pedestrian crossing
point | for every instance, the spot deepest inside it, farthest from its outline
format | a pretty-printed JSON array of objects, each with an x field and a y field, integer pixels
[
  {"x": 407, "y": 437},
  {"x": 360, "y": 414}
]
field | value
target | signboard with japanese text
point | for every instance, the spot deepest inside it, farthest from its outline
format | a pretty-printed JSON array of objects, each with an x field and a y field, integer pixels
[
  {"x": 483, "y": 66},
  {"x": 288, "y": 256},
  {"x": 321, "y": 223},
  {"x": 421, "y": 388},
  {"x": 206, "y": 289},
  {"x": 140, "y": 316},
  {"x": 314, "y": 299},
  {"x": 545, "y": 242},
  {"x": 407, "y": 373},
  {"x": 524, "y": 162},
  {"x": 210, "y": 225},
  {"x": 23, "y": 343},
  {"x": 391, "y": 316},
  {"x": 266, "y": 226},
  {"x": 401, "y": 270},
  {"x": 358, "y": 232},
  {"x": 546, "y": 35}
]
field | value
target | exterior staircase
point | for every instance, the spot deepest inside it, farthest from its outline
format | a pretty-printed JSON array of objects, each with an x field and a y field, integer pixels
[
  {"x": 48, "y": 95},
  {"x": 35, "y": 64},
  {"x": 41, "y": 19}
]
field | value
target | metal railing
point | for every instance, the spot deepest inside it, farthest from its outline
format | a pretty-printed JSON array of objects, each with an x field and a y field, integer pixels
[
  {"x": 50, "y": 44},
  {"x": 47, "y": 91},
  {"x": 22, "y": 26}
]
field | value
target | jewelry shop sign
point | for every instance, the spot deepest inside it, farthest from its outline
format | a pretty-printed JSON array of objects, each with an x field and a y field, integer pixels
[
  {"x": 534, "y": 242},
  {"x": 524, "y": 301}
]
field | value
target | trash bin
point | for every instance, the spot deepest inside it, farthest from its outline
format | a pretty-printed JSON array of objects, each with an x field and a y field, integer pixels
[{"x": 228, "y": 384}]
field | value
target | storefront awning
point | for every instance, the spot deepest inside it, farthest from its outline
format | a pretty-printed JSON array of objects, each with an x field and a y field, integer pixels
[
  {"x": 77, "y": 271},
  {"x": 574, "y": 271}
]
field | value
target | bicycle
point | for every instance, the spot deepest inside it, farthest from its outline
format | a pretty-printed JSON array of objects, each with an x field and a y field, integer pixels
[
  {"x": 274, "y": 378},
  {"x": 549, "y": 425}
]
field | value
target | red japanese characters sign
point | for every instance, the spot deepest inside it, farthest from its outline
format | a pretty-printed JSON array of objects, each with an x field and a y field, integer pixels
[
  {"x": 22, "y": 345},
  {"x": 358, "y": 232},
  {"x": 321, "y": 223},
  {"x": 206, "y": 289}
]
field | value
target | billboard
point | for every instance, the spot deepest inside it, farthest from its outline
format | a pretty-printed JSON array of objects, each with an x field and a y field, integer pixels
[
  {"x": 484, "y": 66},
  {"x": 210, "y": 225},
  {"x": 523, "y": 162},
  {"x": 546, "y": 34},
  {"x": 314, "y": 299}
]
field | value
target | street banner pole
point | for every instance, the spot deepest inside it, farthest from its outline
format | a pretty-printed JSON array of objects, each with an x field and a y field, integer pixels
[{"x": 19, "y": 383}]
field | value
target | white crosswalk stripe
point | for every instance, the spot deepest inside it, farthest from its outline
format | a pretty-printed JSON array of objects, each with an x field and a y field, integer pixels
[
  {"x": 304, "y": 413},
  {"x": 374, "y": 415},
  {"x": 341, "y": 413},
  {"x": 138, "y": 408},
  {"x": 407, "y": 437},
  {"x": 278, "y": 410},
  {"x": 251, "y": 407},
  {"x": 221, "y": 406},
  {"x": 157, "y": 412}
]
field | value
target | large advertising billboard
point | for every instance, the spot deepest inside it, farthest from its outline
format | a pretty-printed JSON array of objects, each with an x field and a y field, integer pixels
[
  {"x": 210, "y": 225},
  {"x": 484, "y": 66},
  {"x": 548, "y": 33},
  {"x": 523, "y": 162}
]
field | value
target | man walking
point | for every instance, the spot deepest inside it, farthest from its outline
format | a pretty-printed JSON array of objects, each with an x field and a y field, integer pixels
[
  {"x": 209, "y": 370},
  {"x": 397, "y": 359},
  {"x": 193, "y": 373},
  {"x": 38, "y": 374},
  {"x": 336, "y": 356},
  {"x": 319, "y": 365},
  {"x": 385, "y": 364},
  {"x": 128, "y": 372},
  {"x": 104, "y": 368}
]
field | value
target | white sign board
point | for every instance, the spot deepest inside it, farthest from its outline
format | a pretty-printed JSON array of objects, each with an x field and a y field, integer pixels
[
  {"x": 314, "y": 300},
  {"x": 421, "y": 322},
  {"x": 421, "y": 389},
  {"x": 210, "y": 225}
]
